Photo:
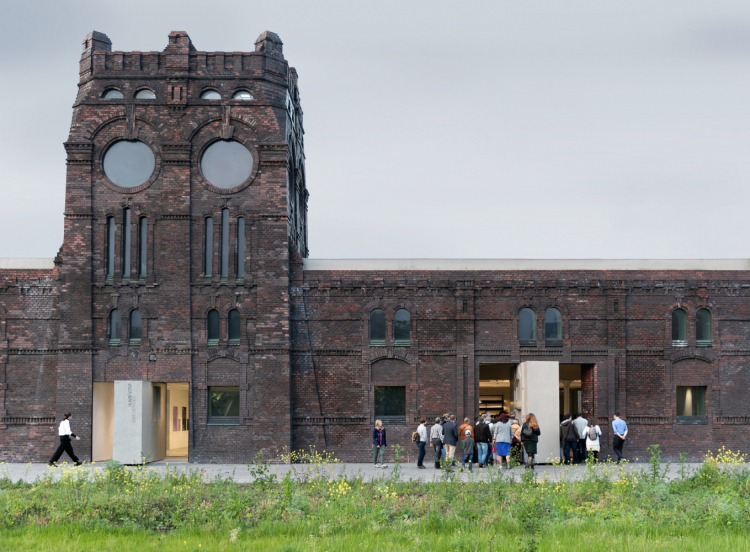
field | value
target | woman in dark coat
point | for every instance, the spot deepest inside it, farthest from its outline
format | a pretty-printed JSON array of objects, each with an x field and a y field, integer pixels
[
  {"x": 379, "y": 444},
  {"x": 530, "y": 438}
]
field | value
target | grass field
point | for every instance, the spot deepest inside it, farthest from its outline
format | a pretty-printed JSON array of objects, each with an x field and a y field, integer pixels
[{"x": 310, "y": 510}]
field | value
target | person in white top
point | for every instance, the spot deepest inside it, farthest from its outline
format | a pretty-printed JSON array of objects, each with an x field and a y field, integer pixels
[
  {"x": 65, "y": 434},
  {"x": 422, "y": 443},
  {"x": 436, "y": 440},
  {"x": 592, "y": 434}
]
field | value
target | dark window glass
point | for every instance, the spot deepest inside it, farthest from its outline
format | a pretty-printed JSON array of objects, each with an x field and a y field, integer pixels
[
  {"x": 142, "y": 246},
  {"x": 210, "y": 95},
  {"x": 135, "y": 324},
  {"x": 226, "y": 164},
  {"x": 114, "y": 325},
  {"x": 157, "y": 403},
  {"x": 691, "y": 401},
  {"x": 223, "y": 401},
  {"x": 208, "y": 246},
  {"x": 552, "y": 324},
  {"x": 390, "y": 401},
  {"x": 679, "y": 326},
  {"x": 126, "y": 244},
  {"x": 402, "y": 325},
  {"x": 703, "y": 325},
  {"x": 377, "y": 326},
  {"x": 240, "y": 247},
  {"x": 527, "y": 325},
  {"x": 145, "y": 95},
  {"x": 242, "y": 95},
  {"x": 112, "y": 94},
  {"x": 110, "y": 247},
  {"x": 224, "y": 242},
  {"x": 213, "y": 325},
  {"x": 234, "y": 325},
  {"x": 129, "y": 163}
]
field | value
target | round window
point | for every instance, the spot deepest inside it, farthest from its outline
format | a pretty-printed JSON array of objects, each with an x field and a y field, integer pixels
[
  {"x": 226, "y": 164},
  {"x": 129, "y": 163}
]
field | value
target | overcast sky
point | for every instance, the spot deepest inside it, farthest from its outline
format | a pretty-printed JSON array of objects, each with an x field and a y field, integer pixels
[{"x": 540, "y": 129}]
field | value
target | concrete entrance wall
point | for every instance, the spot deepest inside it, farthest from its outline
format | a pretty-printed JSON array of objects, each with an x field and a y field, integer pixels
[
  {"x": 139, "y": 432},
  {"x": 538, "y": 391}
]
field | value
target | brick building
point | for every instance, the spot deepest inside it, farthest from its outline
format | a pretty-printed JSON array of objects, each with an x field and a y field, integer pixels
[{"x": 182, "y": 316}]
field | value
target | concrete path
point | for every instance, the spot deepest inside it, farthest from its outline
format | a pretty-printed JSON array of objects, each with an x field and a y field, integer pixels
[{"x": 409, "y": 472}]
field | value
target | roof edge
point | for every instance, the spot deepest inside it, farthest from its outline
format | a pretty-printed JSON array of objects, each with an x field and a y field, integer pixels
[{"x": 27, "y": 263}]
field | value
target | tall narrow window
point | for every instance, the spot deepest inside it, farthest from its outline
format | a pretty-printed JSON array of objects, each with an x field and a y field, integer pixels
[
  {"x": 402, "y": 328},
  {"x": 110, "y": 247},
  {"x": 377, "y": 328},
  {"x": 126, "y": 244},
  {"x": 114, "y": 327},
  {"x": 234, "y": 325},
  {"x": 703, "y": 328},
  {"x": 527, "y": 327},
  {"x": 679, "y": 328},
  {"x": 213, "y": 327},
  {"x": 135, "y": 326},
  {"x": 553, "y": 327},
  {"x": 224, "y": 243},
  {"x": 142, "y": 247},
  {"x": 208, "y": 247},
  {"x": 240, "y": 248}
]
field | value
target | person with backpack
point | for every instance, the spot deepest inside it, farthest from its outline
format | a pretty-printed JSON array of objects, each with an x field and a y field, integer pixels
[
  {"x": 569, "y": 440},
  {"x": 620, "y": 431},
  {"x": 581, "y": 424},
  {"x": 379, "y": 444},
  {"x": 436, "y": 440},
  {"x": 593, "y": 432},
  {"x": 420, "y": 438},
  {"x": 530, "y": 433},
  {"x": 483, "y": 439}
]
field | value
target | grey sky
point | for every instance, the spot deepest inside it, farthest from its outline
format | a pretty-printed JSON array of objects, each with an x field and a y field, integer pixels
[{"x": 538, "y": 129}]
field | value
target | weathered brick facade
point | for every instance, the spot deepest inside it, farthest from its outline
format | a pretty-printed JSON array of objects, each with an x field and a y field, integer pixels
[{"x": 304, "y": 363}]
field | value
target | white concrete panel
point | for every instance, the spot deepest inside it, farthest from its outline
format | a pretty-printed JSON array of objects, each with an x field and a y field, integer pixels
[
  {"x": 540, "y": 394},
  {"x": 128, "y": 425},
  {"x": 102, "y": 427}
]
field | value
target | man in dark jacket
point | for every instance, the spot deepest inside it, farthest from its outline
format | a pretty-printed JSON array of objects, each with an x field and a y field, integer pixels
[
  {"x": 450, "y": 437},
  {"x": 569, "y": 439},
  {"x": 483, "y": 439}
]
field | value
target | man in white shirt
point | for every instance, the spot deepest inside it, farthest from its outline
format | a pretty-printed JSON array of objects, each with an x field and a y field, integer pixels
[{"x": 422, "y": 443}]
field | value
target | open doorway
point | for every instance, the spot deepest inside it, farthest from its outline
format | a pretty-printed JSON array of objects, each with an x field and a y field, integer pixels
[
  {"x": 178, "y": 421},
  {"x": 495, "y": 389}
]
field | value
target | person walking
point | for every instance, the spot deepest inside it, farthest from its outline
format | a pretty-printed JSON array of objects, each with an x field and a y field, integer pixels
[
  {"x": 483, "y": 439},
  {"x": 422, "y": 443},
  {"x": 450, "y": 438},
  {"x": 581, "y": 424},
  {"x": 620, "y": 430},
  {"x": 468, "y": 449},
  {"x": 503, "y": 435},
  {"x": 530, "y": 433},
  {"x": 491, "y": 447},
  {"x": 65, "y": 434},
  {"x": 569, "y": 440},
  {"x": 593, "y": 432},
  {"x": 436, "y": 440},
  {"x": 516, "y": 448},
  {"x": 378, "y": 444}
]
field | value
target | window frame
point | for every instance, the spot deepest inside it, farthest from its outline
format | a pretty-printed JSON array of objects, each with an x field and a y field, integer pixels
[
  {"x": 115, "y": 320},
  {"x": 206, "y": 91},
  {"x": 389, "y": 419},
  {"x": 241, "y": 246},
  {"x": 213, "y": 341},
  {"x": 557, "y": 340},
  {"x": 135, "y": 340},
  {"x": 142, "y": 90},
  {"x": 527, "y": 342},
  {"x": 224, "y": 245},
  {"x": 693, "y": 418},
  {"x": 377, "y": 342},
  {"x": 110, "y": 89},
  {"x": 126, "y": 241},
  {"x": 242, "y": 91},
  {"x": 212, "y": 419},
  {"x": 142, "y": 247},
  {"x": 679, "y": 342},
  {"x": 231, "y": 339},
  {"x": 111, "y": 237},
  {"x": 208, "y": 247},
  {"x": 707, "y": 327},
  {"x": 402, "y": 342}
]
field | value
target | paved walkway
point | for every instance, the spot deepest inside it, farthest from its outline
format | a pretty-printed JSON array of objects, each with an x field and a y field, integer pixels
[{"x": 241, "y": 474}]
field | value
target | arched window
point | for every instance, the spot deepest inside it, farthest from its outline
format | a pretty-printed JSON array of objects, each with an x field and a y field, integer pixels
[
  {"x": 114, "y": 327},
  {"x": 126, "y": 245},
  {"x": 234, "y": 325},
  {"x": 552, "y": 325},
  {"x": 145, "y": 94},
  {"x": 402, "y": 328},
  {"x": 135, "y": 326},
  {"x": 377, "y": 328},
  {"x": 241, "y": 248},
  {"x": 242, "y": 95},
  {"x": 527, "y": 326},
  {"x": 210, "y": 95},
  {"x": 679, "y": 328},
  {"x": 224, "y": 244},
  {"x": 112, "y": 94},
  {"x": 213, "y": 327},
  {"x": 110, "y": 247},
  {"x": 703, "y": 328},
  {"x": 142, "y": 247},
  {"x": 208, "y": 247}
]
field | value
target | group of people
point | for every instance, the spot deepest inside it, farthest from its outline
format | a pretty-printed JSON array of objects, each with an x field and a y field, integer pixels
[{"x": 580, "y": 437}]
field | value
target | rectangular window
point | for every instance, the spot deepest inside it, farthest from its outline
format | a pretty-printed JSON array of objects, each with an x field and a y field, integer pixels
[
  {"x": 240, "y": 248},
  {"x": 208, "y": 247},
  {"x": 224, "y": 243},
  {"x": 390, "y": 405},
  {"x": 126, "y": 245},
  {"x": 691, "y": 405},
  {"x": 223, "y": 405},
  {"x": 142, "y": 246}
]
